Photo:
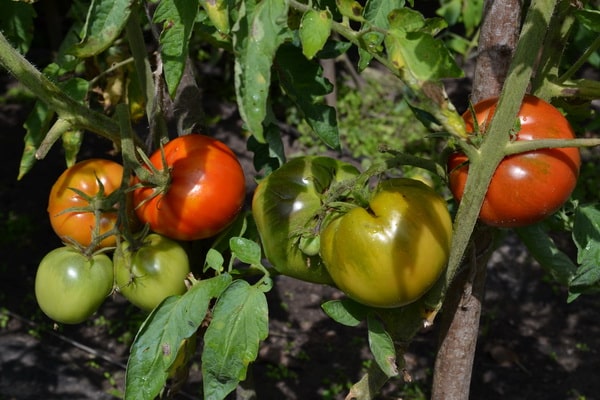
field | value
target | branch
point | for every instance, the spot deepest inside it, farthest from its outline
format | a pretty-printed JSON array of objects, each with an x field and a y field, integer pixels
[{"x": 68, "y": 109}]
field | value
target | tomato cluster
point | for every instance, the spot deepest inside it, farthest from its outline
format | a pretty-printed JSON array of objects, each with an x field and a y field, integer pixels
[
  {"x": 94, "y": 214},
  {"x": 385, "y": 252}
]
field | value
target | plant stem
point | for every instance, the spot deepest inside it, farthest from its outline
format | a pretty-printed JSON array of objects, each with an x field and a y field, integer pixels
[
  {"x": 65, "y": 106},
  {"x": 530, "y": 145}
]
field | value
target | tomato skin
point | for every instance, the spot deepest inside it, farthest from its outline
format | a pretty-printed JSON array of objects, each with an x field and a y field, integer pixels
[
  {"x": 206, "y": 192},
  {"x": 526, "y": 187},
  {"x": 78, "y": 226},
  {"x": 283, "y": 203},
  {"x": 151, "y": 273},
  {"x": 390, "y": 254},
  {"x": 70, "y": 287}
]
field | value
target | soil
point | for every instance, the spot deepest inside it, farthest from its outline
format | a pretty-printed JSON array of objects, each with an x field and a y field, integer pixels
[{"x": 532, "y": 344}]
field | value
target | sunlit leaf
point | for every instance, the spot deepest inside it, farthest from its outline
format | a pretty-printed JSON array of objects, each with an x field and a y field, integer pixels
[
  {"x": 315, "y": 29},
  {"x": 382, "y": 346},
  {"x": 257, "y": 34},
  {"x": 177, "y": 18},
  {"x": 155, "y": 346},
  {"x": 239, "y": 323},
  {"x": 105, "y": 21}
]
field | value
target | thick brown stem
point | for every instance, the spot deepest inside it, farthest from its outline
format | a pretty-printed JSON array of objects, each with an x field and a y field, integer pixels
[
  {"x": 459, "y": 326},
  {"x": 498, "y": 39}
]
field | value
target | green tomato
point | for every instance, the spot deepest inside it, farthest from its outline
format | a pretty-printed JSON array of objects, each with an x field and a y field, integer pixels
[
  {"x": 284, "y": 205},
  {"x": 391, "y": 253},
  {"x": 149, "y": 274},
  {"x": 70, "y": 287}
]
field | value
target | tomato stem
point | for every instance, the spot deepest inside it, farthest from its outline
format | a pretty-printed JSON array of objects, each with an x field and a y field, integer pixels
[{"x": 530, "y": 145}]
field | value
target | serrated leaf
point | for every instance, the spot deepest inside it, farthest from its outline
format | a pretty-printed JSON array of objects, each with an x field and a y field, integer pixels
[
  {"x": 346, "y": 311},
  {"x": 315, "y": 29},
  {"x": 382, "y": 346},
  {"x": 544, "y": 250},
  {"x": 586, "y": 234},
  {"x": 302, "y": 80},
  {"x": 155, "y": 346},
  {"x": 177, "y": 18},
  {"x": 231, "y": 342},
  {"x": 589, "y": 18},
  {"x": 104, "y": 23},
  {"x": 16, "y": 23},
  {"x": 257, "y": 34}
]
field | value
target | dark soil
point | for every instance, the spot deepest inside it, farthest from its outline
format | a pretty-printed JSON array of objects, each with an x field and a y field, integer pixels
[{"x": 532, "y": 345}]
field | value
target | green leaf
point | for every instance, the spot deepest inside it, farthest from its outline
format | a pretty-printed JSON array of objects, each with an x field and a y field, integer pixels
[
  {"x": 406, "y": 20},
  {"x": 213, "y": 260},
  {"x": 155, "y": 346},
  {"x": 231, "y": 342},
  {"x": 586, "y": 234},
  {"x": 177, "y": 18},
  {"x": 270, "y": 155},
  {"x": 382, "y": 346},
  {"x": 302, "y": 80},
  {"x": 77, "y": 88},
  {"x": 589, "y": 18},
  {"x": 245, "y": 250},
  {"x": 257, "y": 34},
  {"x": 346, "y": 311},
  {"x": 218, "y": 13},
  {"x": 36, "y": 126},
  {"x": 105, "y": 21},
  {"x": 376, "y": 14},
  {"x": 315, "y": 29},
  {"x": 16, "y": 23},
  {"x": 351, "y": 9},
  {"x": 426, "y": 57},
  {"x": 544, "y": 250}
]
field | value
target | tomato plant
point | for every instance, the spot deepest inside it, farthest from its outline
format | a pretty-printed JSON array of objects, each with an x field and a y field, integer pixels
[
  {"x": 148, "y": 274},
  {"x": 78, "y": 194},
  {"x": 70, "y": 286},
  {"x": 526, "y": 187},
  {"x": 284, "y": 206},
  {"x": 205, "y": 192},
  {"x": 389, "y": 253}
]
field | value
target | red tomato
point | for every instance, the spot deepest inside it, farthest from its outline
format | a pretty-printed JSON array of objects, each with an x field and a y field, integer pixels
[
  {"x": 526, "y": 187},
  {"x": 84, "y": 176},
  {"x": 205, "y": 194}
]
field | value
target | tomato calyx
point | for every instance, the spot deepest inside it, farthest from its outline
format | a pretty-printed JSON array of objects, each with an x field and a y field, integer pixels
[{"x": 151, "y": 177}]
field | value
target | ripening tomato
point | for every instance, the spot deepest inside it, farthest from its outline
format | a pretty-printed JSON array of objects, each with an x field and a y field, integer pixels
[
  {"x": 390, "y": 253},
  {"x": 526, "y": 187},
  {"x": 283, "y": 205},
  {"x": 84, "y": 176},
  {"x": 205, "y": 194},
  {"x": 70, "y": 287},
  {"x": 154, "y": 271}
]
